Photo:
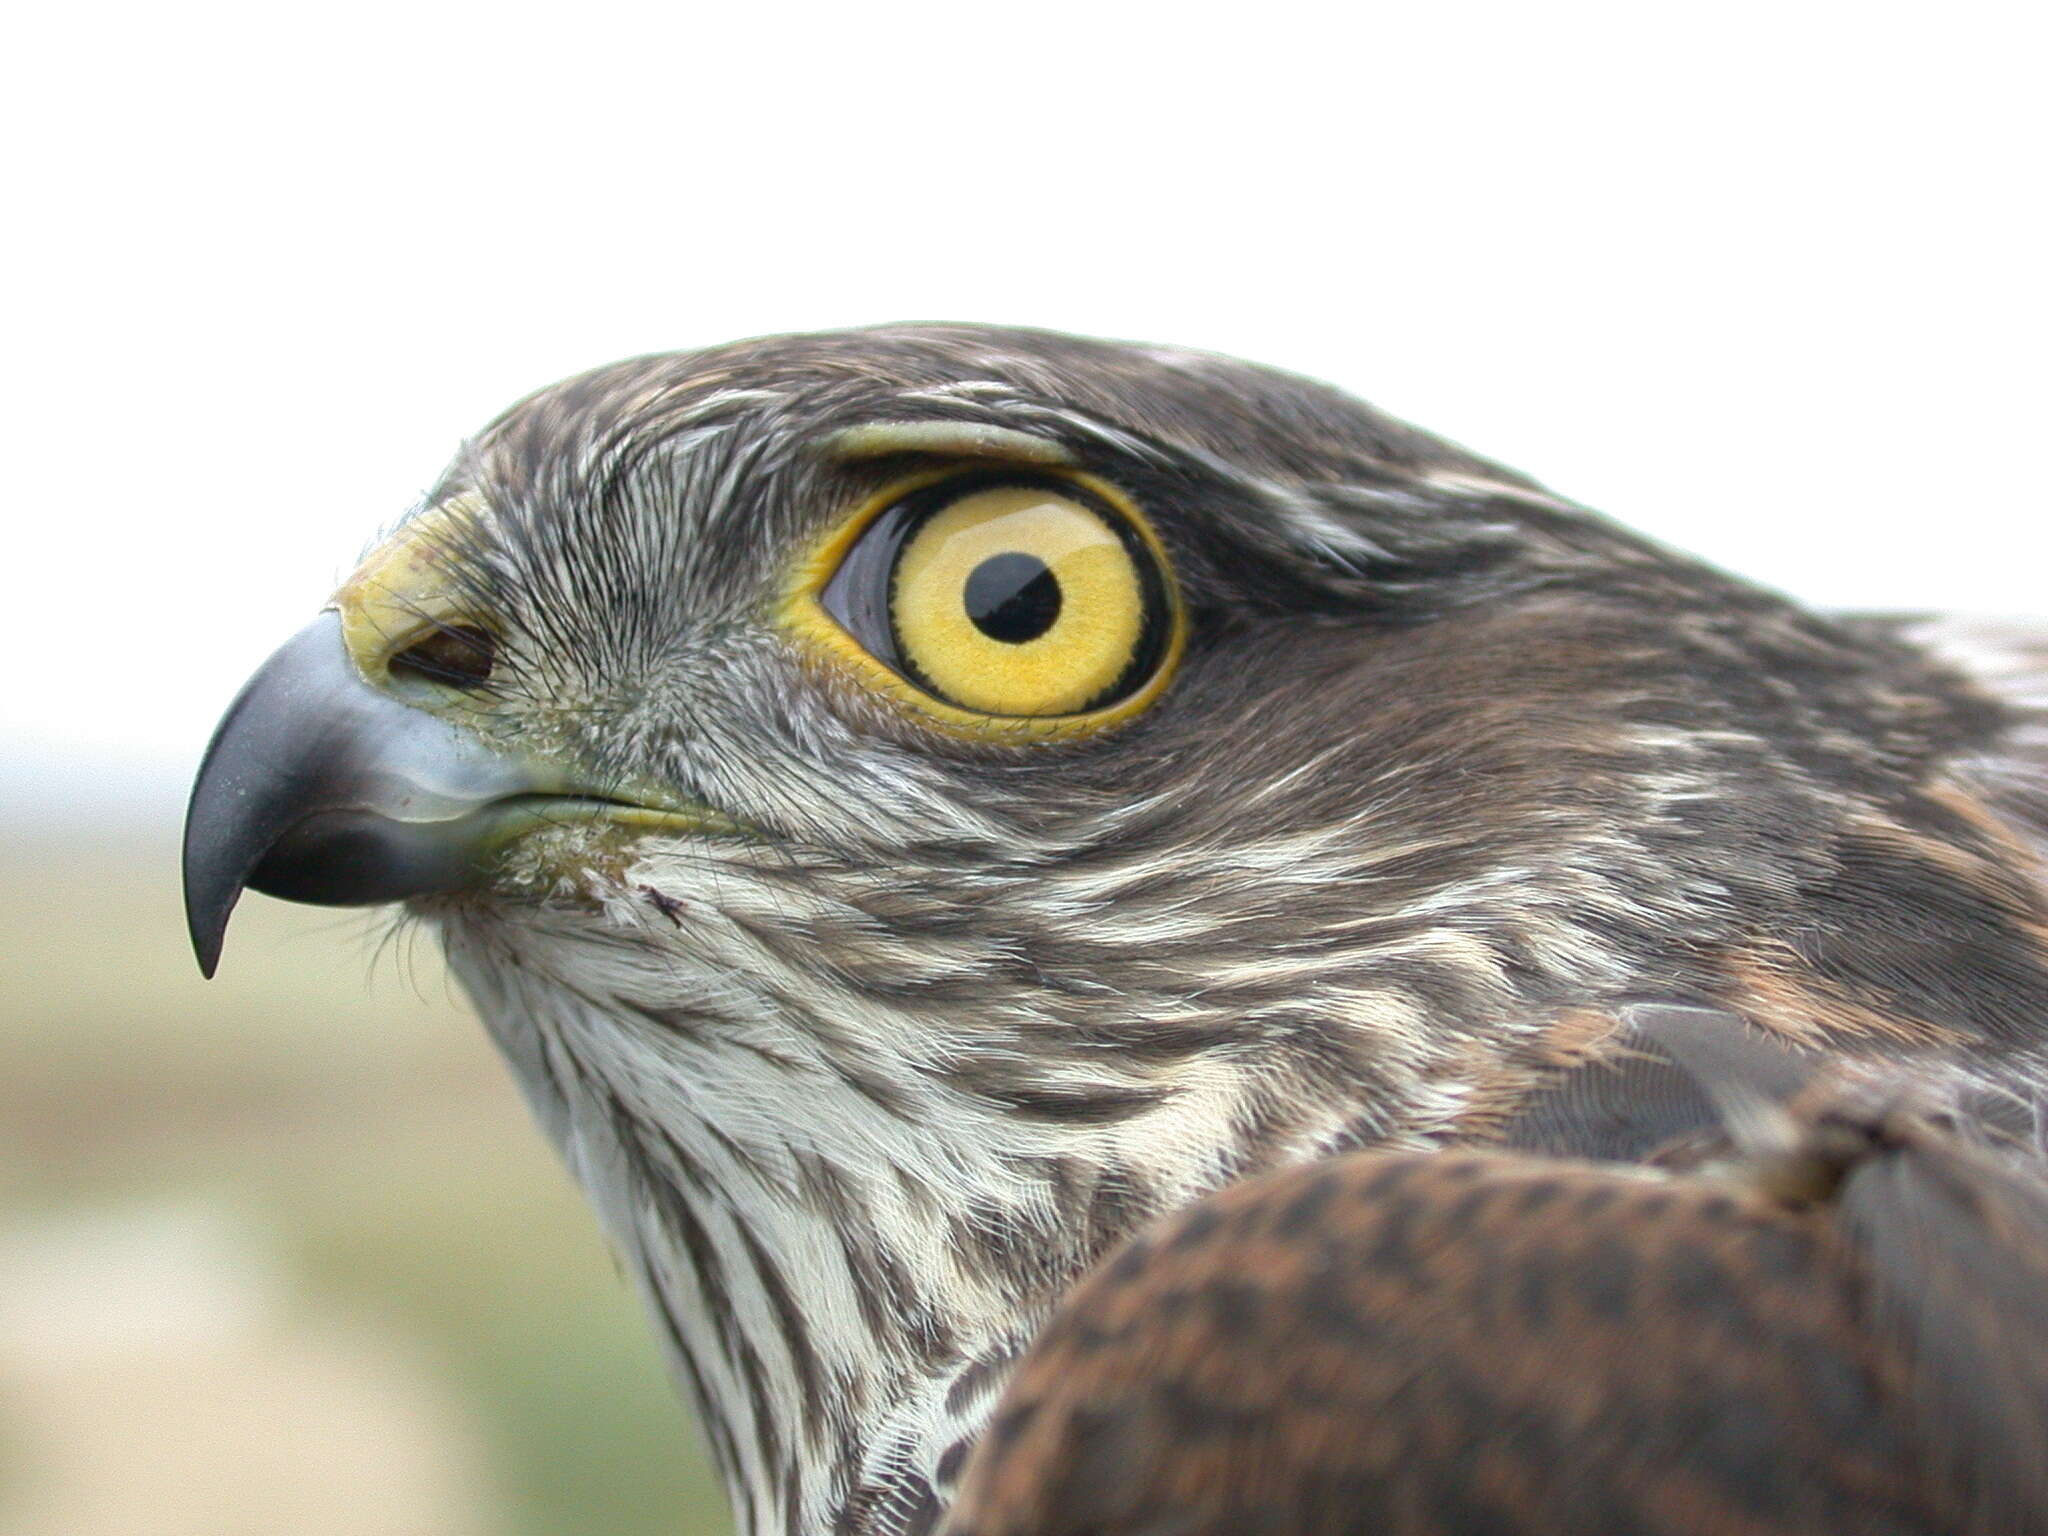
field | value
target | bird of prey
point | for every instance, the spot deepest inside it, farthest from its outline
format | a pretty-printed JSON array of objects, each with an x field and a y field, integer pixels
[{"x": 995, "y": 855}]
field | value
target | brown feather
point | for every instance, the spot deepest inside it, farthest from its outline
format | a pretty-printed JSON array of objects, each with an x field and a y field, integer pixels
[{"x": 1495, "y": 1345}]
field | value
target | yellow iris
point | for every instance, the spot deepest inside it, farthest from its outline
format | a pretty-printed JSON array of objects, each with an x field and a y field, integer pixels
[
  {"x": 1025, "y": 607},
  {"x": 1015, "y": 600}
]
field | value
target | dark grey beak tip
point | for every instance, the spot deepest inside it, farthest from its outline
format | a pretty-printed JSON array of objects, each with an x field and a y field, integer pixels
[
  {"x": 219, "y": 851},
  {"x": 207, "y": 921}
]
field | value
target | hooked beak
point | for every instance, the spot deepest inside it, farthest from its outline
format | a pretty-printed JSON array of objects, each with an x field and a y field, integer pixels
[{"x": 317, "y": 787}]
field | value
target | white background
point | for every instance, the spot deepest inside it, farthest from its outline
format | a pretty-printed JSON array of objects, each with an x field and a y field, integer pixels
[{"x": 1764, "y": 280}]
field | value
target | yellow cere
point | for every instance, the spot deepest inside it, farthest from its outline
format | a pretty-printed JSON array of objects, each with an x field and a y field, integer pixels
[
  {"x": 1087, "y": 646},
  {"x": 400, "y": 591}
]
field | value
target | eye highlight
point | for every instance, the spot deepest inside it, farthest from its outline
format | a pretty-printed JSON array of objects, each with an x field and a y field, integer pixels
[{"x": 1009, "y": 601}]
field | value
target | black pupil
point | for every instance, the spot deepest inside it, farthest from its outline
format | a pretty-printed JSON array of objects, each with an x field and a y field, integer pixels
[{"x": 1012, "y": 597}]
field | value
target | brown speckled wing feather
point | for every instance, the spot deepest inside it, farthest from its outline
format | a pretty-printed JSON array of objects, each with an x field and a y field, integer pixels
[{"x": 1841, "y": 1332}]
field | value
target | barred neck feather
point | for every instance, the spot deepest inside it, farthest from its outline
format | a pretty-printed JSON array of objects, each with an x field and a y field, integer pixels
[
  {"x": 850, "y": 1196},
  {"x": 856, "y": 1127},
  {"x": 857, "y": 1119}
]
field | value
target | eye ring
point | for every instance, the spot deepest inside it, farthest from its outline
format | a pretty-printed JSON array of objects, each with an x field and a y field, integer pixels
[{"x": 921, "y": 595}]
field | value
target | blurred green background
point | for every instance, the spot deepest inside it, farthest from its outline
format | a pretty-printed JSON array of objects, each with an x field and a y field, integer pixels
[{"x": 282, "y": 1252}]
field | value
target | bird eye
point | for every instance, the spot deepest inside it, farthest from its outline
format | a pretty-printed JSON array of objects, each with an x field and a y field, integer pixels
[
  {"x": 1008, "y": 597},
  {"x": 453, "y": 655}
]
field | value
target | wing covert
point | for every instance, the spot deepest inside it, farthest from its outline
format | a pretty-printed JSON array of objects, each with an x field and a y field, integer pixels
[{"x": 1838, "y": 1331}]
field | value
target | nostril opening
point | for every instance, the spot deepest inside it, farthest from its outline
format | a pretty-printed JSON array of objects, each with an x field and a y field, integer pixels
[{"x": 453, "y": 655}]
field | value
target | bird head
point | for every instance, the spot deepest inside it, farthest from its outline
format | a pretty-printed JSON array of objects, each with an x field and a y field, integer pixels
[
  {"x": 975, "y": 672},
  {"x": 911, "y": 803}
]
